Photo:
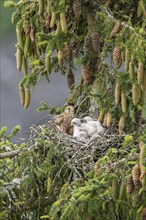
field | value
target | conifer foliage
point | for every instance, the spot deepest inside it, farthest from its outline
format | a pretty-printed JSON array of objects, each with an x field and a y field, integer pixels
[
  {"x": 56, "y": 36},
  {"x": 106, "y": 41}
]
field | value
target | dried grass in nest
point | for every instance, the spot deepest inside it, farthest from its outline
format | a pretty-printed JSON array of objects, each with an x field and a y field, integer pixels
[{"x": 79, "y": 156}]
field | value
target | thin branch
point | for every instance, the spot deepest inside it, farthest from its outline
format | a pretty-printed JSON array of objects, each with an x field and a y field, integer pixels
[
  {"x": 110, "y": 15},
  {"x": 32, "y": 205},
  {"x": 9, "y": 154}
]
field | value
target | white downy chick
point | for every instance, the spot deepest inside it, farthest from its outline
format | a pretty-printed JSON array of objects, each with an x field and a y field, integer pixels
[
  {"x": 97, "y": 127},
  {"x": 80, "y": 130},
  {"x": 83, "y": 135},
  {"x": 76, "y": 124}
]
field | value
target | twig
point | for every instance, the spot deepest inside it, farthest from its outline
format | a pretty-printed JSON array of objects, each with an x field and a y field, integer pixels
[{"x": 9, "y": 154}]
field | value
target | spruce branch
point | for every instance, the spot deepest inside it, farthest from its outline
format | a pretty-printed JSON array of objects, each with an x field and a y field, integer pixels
[
  {"x": 111, "y": 16},
  {"x": 9, "y": 154}
]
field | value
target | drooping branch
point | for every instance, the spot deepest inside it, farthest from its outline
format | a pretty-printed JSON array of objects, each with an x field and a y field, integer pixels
[
  {"x": 9, "y": 154},
  {"x": 110, "y": 15},
  {"x": 32, "y": 205}
]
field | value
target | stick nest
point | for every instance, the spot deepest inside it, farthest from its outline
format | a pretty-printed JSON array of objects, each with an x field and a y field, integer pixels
[{"x": 79, "y": 156}]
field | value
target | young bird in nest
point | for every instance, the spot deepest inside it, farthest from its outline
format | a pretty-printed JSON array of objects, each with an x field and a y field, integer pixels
[
  {"x": 95, "y": 126},
  {"x": 63, "y": 121},
  {"x": 80, "y": 130}
]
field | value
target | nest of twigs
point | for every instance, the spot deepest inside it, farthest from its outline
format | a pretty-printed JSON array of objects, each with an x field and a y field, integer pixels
[{"x": 79, "y": 156}]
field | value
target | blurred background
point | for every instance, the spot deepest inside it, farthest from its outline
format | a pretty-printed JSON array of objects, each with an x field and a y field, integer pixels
[{"x": 11, "y": 111}]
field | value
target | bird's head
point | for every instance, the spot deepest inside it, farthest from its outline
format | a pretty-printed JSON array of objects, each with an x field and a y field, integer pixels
[
  {"x": 69, "y": 109},
  {"x": 76, "y": 121},
  {"x": 88, "y": 118}
]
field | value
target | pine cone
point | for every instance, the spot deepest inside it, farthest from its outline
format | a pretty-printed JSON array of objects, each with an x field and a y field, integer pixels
[
  {"x": 60, "y": 57},
  {"x": 70, "y": 80},
  {"x": 137, "y": 188},
  {"x": 115, "y": 29},
  {"x": 143, "y": 214},
  {"x": 96, "y": 42},
  {"x": 140, "y": 72},
  {"x": 117, "y": 59},
  {"x": 117, "y": 93},
  {"x": 138, "y": 117},
  {"x": 76, "y": 8},
  {"x": 121, "y": 124},
  {"x": 87, "y": 78},
  {"x": 87, "y": 47},
  {"x": 136, "y": 175},
  {"x": 74, "y": 48},
  {"x": 130, "y": 185},
  {"x": 137, "y": 197},
  {"x": 68, "y": 52},
  {"x": 136, "y": 92},
  {"x": 47, "y": 23}
]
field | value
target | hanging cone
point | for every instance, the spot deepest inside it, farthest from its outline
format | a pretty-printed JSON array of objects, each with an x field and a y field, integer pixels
[
  {"x": 143, "y": 87},
  {"x": 24, "y": 66},
  {"x": 143, "y": 214},
  {"x": 87, "y": 47},
  {"x": 22, "y": 94},
  {"x": 68, "y": 52},
  {"x": 87, "y": 78},
  {"x": 138, "y": 116},
  {"x": 115, "y": 29},
  {"x": 123, "y": 102},
  {"x": 130, "y": 186},
  {"x": 131, "y": 70},
  {"x": 121, "y": 124},
  {"x": 140, "y": 72},
  {"x": 60, "y": 58},
  {"x": 117, "y": 59},
  {"x": 53, "y": 19},
  {"x": 96, "y": 42},
  {"x": 109, "y": 119},
  {"x": 127, "y": 59},
  {"x": 136, "y": 175},
  {"x": 122, "y": 193},
  {"x": 63, "y": 22},
  {"x": 27, "y": 97},
  {"x": 41, "y": 7},
  {"x": 70, "y": 80},
  {"x": 101, "y": 116},
  {"x": 20, "y": 33},
  {"x": 115, "y": 189},
  {"x": 137, "y": 197},
  {"x": 74, "y": 48},
  {"x": 117, "y": 93},
  {"x": 76, "y": 8},
  {"x": 18, "y": 58},
  {"x": 47, "y": 23},
  {"x": 136, "y": 94}
]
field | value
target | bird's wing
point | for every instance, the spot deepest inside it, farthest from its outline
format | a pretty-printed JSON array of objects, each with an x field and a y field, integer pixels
[
  {"x": 59, "y": 119},
  {"x": 101, "y": 130},
  {"x": 70, "y": 130},
  {"x": 76, "y": 131}
]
